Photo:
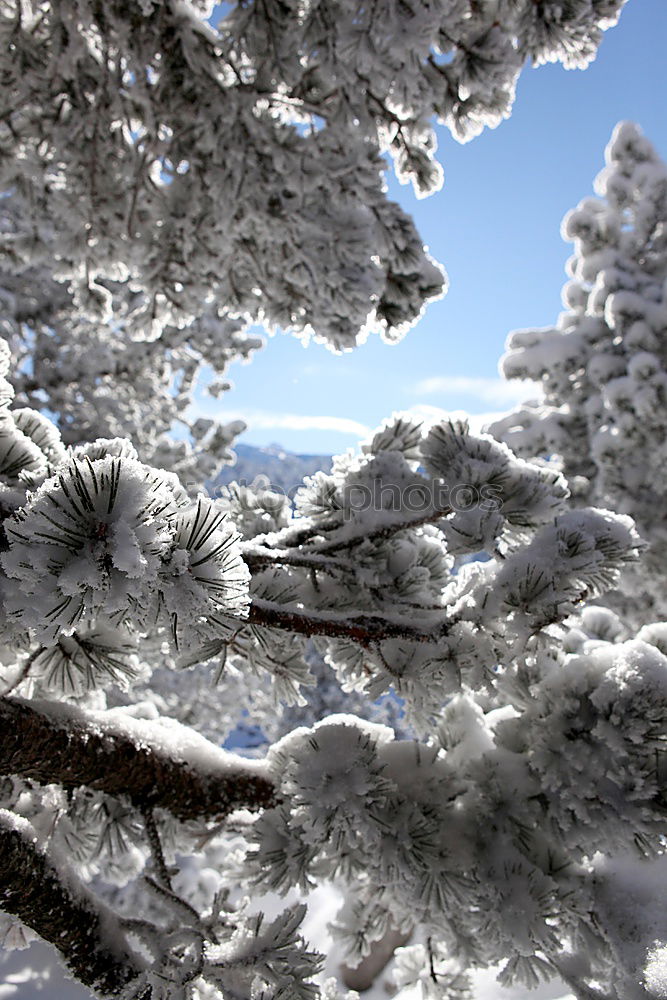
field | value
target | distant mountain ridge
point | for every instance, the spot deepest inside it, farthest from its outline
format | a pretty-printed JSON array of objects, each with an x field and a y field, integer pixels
[{"x": 273, "y": 465}]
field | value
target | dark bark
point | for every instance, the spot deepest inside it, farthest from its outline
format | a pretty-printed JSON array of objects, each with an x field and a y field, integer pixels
[
  {"x": 61, "y": 746},
  {"x": 32, "y": 890},
  {"x": 366, "y": 629}
]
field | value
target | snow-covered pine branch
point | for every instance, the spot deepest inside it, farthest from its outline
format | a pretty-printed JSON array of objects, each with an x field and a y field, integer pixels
[
  {"x": 487, "y": 837},
  {"x": 111, "y": 572}
]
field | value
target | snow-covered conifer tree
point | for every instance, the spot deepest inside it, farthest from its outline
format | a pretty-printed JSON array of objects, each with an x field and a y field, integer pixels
[{"x": 603, "y": 367}]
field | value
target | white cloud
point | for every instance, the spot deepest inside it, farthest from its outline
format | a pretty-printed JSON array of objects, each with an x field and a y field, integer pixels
[
  {"x": 434, "y": 414},
  {"x": 489, "y": 390},
  {"x": 300, "y": 422},
  {"x": 266, "y": 419}
]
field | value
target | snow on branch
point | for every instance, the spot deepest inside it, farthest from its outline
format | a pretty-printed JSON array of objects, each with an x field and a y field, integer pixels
[{"x": 163, "y": 765}]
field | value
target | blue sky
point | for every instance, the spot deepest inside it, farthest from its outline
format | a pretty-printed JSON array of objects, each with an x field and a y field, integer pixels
[{"x": 495, "y": 225}]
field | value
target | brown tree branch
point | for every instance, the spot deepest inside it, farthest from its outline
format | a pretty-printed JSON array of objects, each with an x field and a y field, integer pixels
[
  {"x": 60, "y": 744},
  {"x": 32, "y": 889},
  {"x": 366, "y": 629}
]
